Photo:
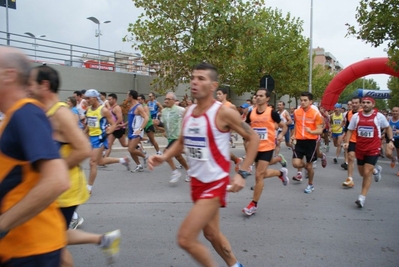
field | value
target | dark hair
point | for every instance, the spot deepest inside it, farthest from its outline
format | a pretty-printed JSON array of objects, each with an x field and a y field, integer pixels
[
  {"x": 83, "y": 91},
  {"x": 356, "y": 97},
  {"x": 133, "y": 94},
  {"x": 78, "y": 93},
  {"x": 309, "y": 95},
  {"x": 73, "y": 100},
  {"x": 114, "y": 96},
  {"x": 152, "y": 93},
  {"x": 46, "y": 73},
  {"x": 282, "y": 102},
  {"x": 213, "y": 72},
  {"x": 223, "y": 90},
  {"x": 268, "y": 94},
  {"x": 104, "y": 94},
  {"x": 142, "y": 96}
]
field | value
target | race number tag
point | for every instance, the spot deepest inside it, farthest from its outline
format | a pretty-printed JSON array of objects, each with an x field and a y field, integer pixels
[
  {"x": 365, "y": 131},
  {"x": 337, "y": 122},
  {"x": 262, "y": 132},
  {"x": 92, "y": 121},
  {"x": 196, "y": 147}
]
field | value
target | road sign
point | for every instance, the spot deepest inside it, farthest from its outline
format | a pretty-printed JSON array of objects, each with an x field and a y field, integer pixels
[{"x": 267, "y": 82}]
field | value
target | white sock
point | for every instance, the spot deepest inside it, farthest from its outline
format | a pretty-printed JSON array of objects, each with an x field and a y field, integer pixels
[
  {"x": 235, "y": 265},
  {"x": 122, "y": 160},
  {"x": 139, "y": 165},
  {"x": 75, "y": 215},
  {"x": 375, "y": 171},
  {"x": 89, "y": 187},
  {"x": 362, "y": 197},
  {"x": 175, "y": 171}
]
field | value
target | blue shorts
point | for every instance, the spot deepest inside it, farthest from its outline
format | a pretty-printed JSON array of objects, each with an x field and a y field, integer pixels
[
  {"x": 336, "y": 135},
  {"x": 50, "y": 259},
  {"x": 98, "y": 142}
]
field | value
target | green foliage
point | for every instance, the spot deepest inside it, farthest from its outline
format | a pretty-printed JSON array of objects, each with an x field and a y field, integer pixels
[
  {"x": 393, "y": 85},
  {"x": 244, "y": 40},
  {"x": 321, "y": 77},
  {"x": 379, "y": 23}
]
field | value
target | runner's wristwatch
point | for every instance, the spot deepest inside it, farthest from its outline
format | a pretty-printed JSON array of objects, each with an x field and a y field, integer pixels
[{"x": 244, "y": 174}]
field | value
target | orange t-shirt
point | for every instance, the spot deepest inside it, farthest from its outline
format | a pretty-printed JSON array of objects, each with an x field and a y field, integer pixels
[
  {"x": 264, "y": 125},
  {"x": 310, "y": 118},
  {"x": 41, "y": 234}
]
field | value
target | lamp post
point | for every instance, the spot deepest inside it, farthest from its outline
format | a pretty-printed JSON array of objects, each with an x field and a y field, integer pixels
[
  {"x": 310, "y": 47},
  {"x": 98, "y": 34},
  {"x": 35, "y": 45}
]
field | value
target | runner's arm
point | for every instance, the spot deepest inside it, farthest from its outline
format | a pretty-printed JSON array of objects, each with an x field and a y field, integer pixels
[{"x": 72, "y": 135}]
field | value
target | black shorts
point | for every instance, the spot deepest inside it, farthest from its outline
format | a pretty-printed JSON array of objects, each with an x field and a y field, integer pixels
[
  {"x": 119, "y": 133},
  {"x": 68, "y": 214},
  {"x": 351, "y": 147},
  {"x": 264, "y": 155},
  {"x": 372, "y": 160},
  {"x": 150, "y": 128},
  {"x": 170, "y": 143},
  {"x": 49, "y": 259},
  {"x": 305, "y": 148}
]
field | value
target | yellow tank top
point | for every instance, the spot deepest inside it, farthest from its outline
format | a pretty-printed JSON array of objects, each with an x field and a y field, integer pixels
[
  {"x": 336, "y": 125},
  {"x": 77, "y": 194},
  {"x": 95, "y": 121}
]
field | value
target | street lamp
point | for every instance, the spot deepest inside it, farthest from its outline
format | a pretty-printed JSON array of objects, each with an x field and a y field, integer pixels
[
  {"x": 35, "y": 45},
  {"x": 310, "y": 47},
  {"x": 98, "y": 34}
]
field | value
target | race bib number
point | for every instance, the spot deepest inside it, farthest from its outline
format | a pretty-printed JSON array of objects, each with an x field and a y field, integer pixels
[
  {"x": 196, "y": 147},
  {"x": 262, "y": 132},
  {"x": 92, "y": 121},
  {"x": 365, "y": 131},
  {"x": 337, "y": 122}
]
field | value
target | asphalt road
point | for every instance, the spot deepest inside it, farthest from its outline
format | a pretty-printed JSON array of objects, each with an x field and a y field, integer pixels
[{"x": 290, "y": 228}]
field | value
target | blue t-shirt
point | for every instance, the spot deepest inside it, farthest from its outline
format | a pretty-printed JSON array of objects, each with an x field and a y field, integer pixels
[
  {"x": 394, "y": 126},
  {"x": 27, "y": 137},
  {"x": 76, "y": 111},
  {"x": 153, "y": 107}
]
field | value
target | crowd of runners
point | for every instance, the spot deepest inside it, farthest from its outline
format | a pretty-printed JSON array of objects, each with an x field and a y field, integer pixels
[{"x": 41, "y": 172}]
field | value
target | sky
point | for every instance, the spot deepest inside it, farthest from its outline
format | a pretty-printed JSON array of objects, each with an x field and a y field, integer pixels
[{"x": 65, "y": 21}]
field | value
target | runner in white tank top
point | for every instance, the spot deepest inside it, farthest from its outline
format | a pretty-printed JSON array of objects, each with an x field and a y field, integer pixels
[
  {"x": 206, "y": 147},
  {"x": 205, "y": 135}
]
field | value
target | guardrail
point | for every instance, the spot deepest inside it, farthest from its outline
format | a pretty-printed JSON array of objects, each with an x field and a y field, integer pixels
[{"x": 53, "y": 52}]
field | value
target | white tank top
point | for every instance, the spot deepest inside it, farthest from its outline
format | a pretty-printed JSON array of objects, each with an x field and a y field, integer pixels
[{"x": 207, "y": 148}]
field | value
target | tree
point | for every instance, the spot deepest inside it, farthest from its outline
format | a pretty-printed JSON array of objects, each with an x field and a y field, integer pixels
[
  {"x": 241, "y": 38},
  {"x": 321, "y": 77},
  {"x": 378, "y": 23},
  {"x": 393, "y": 85}
]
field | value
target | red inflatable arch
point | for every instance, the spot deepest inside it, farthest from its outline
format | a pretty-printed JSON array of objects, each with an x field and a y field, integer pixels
[{"x": 350, "y": 74}]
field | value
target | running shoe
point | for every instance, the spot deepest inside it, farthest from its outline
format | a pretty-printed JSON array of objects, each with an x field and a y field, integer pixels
[
  {"x": 344, "y": 166},
  {"x": 377, "y": 176},
  {"x": 174, "y": 178},
  {"x": 284, "y": 176},
  {"x": 139, "y": 168},
  {"x": 314, "y": 164},
  {"x": 335, "y": 160},
  {"x": 349, "y": 182},
  {"x": 75, "y": 223},
  {"x": 324, "y": 161},
  {"x": 283, "y": 162},
  {"x": 297, "y": 177},
  {"x": 360, "y": 201},
  {"x": 159, "y": 153},
  {"x": 250, "y": 209},
  {"x": 188, "y": 178},
  {"x": 309, "y": 189},
  {"x": 126, "y": 163},
  {"x": 179, "y": 166},
  {"x": 393, "y": 162},
  {"x": 110, "y": 245}
]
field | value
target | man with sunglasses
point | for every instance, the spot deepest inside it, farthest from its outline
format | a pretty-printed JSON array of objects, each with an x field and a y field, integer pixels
[{"x": 368, "y": 124}]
